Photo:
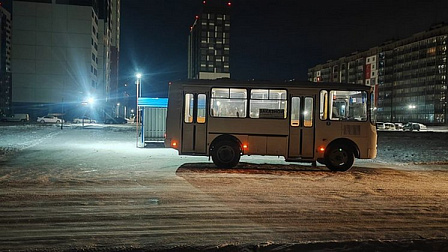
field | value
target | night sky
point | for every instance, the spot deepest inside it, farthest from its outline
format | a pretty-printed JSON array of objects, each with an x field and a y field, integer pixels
[{"x": 270, "y": 39}]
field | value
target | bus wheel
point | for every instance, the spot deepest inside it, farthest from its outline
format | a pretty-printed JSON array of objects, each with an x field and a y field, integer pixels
[
  {"x": 226, "y": 154},
  {"x": 339, "y": 158}
]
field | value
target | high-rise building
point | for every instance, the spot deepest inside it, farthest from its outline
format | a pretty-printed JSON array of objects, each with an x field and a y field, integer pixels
[
  {"x": 5, "y": 62},
  {"x": 409, "y": 76},
  {"x": 209, "y": 42},
  {"x": 109, "y": 28},
  {"x": 61, "y": 56}
]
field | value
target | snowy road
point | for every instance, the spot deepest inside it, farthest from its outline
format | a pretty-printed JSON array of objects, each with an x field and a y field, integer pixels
[{"x": 91, "y": 189}]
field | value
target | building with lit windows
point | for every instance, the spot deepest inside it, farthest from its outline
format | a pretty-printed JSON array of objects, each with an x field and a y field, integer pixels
[
  {"x": 61, "y": 55},
  {"x": 409, "y": 76},
  {"x": 209, "y": 42},
  {"x": 5, "y": 62}
]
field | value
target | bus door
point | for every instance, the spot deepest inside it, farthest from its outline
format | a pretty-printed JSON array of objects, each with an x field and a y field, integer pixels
[
  {"x": 301, "y": 126},
  {"x": 194, "y": 134}
]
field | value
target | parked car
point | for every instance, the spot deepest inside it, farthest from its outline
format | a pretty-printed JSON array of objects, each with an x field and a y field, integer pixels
[
  {"x": 15, "y": 118},
  {"x": 380, "y": 126},
  {"x": 389, "y": 126},
  {"x": 116, "y": 120},
  {"x": 85, "y": 118},
  {"x": 398, "y": 126},
  {"x": 411, "y": 126},
  {"x": 49, "y": 119}
]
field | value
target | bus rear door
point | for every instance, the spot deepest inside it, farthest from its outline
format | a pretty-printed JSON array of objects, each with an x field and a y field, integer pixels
[
  {"x": 194, "y": 128},
  {"x": 301, "y": 127}
]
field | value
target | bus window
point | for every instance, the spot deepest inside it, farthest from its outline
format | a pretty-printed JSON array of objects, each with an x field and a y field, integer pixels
[
  {"x": 228, "y": 102},
  {"x": 271, "y": 102},
  {"x": 189, "y": 103},
  {"x": 323, "y": 108},
  {"x": 308, "y": 112},
  {"x": 348, "y": 105},
  {"x": 295, "y": 111},
  {"x": 201, "y": 108}
]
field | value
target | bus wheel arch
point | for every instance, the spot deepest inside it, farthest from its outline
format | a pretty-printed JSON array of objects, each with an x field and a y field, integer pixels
[
  {"x": 226, "y": 151},
  {"x": 340, "y": 154}
]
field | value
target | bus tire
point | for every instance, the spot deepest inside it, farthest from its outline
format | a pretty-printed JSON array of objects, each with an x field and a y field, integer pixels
[
  {"x": 226, "y": 154},
  {"x": 339, "y": 158}
]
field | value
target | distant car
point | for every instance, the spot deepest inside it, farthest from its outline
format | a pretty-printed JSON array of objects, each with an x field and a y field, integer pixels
[
  {"x": 398, "y": 126},
  {"x": 411, "y": 126},
  {"x": 15, "y": 118},
  {"x": 49, "y": 119},
  {"x": 116, "y": 120},
  {"x": 380, "y": 126},
  {"x": 389, "y": 126},
  {"x": 85, "y": 118}
]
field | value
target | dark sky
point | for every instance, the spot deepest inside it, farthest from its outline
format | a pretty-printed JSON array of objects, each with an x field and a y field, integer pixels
[{"x": 270, "y": 39}]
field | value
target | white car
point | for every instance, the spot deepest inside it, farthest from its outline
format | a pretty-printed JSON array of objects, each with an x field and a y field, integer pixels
[
  {"x": 86, "y": 120},
  {"x": 49, "y": 119}
]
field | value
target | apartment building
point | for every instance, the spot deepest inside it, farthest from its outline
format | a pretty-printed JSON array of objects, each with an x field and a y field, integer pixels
[
  {"x": 61, "y": 55},
  {"x": 5, "y": 62},
  {"x": 209, "y": 42},
  {"x": 409, "y": 76}
]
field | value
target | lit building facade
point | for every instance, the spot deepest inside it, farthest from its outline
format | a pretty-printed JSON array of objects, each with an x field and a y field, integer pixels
[
  {"x": 409, "y": 76},
  {"x": 5, "y": 62},
  {"x": 209, "y": 42},
  {"x": 59, "y": 56}
]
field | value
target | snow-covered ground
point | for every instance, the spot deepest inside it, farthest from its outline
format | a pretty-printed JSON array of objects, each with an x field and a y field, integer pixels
[
  {"x": 402, "y": 149},
  {"x": 91, "y": 189}
]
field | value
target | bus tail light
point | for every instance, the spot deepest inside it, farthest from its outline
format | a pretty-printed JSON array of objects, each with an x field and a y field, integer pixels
[
  {"x": 322, "y": 149},
  {"x": 245, "y": 147},
  {"x": 174, "y": 144}
]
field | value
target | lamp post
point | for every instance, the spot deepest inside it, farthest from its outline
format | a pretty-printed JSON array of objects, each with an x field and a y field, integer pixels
[{"x": 139, "y": 77}]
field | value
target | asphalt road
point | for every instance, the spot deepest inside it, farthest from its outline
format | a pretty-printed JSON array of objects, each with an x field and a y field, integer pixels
[{"x": 92, "y": 190}]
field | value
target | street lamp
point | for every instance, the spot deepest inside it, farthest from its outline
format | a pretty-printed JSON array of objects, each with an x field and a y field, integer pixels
[{"x": 138, "y": 82}]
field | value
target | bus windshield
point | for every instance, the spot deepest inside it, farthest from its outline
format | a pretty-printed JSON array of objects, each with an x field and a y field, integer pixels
[{"x": 344, "y": 105}]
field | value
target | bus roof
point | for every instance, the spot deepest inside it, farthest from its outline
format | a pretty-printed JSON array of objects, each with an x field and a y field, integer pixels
[{"x": 270, "y": 84}]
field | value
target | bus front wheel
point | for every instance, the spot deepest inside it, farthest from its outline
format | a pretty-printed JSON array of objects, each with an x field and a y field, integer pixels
[
  {"x": 339, "y": 158},
  {"x": 226, "y": 154}
]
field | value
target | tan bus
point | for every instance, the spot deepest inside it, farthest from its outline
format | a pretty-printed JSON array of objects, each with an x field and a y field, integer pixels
[{"x": 331, "y": 123}]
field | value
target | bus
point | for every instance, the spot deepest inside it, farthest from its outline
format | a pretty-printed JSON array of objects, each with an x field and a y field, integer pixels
[{"x": 329, "y": 123}]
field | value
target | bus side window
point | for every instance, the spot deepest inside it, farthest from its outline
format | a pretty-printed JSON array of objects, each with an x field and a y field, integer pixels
[
  {"x": 308, "y": 112},
  {"x": 295, "y": 111},
  {"x": 189, "y": 103},
  {"x": 201, "y": 108},
  {"x": 323, "y": 108}
]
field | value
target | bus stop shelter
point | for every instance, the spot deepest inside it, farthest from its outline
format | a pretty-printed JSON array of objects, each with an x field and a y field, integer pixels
[{"x": 153, "y": 117}]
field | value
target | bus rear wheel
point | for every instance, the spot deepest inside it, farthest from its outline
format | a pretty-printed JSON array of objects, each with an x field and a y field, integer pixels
[
  {"x": 339, "y": 158},
  {"x": 226, "y": 154}
]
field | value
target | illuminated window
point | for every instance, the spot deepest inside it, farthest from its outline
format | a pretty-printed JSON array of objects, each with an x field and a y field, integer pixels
[
  {"x": 295, "y": 111},
  {"x": 348, "y": 105},
  {"x": 228, "y": 102},
  {"x": 308, "y": 112},
  {"x": 323, "y": 111},
  {"x": 189, "y": 103},
  {"x": 201, "y": 108},
  {"x": 268, "y": 103}
]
